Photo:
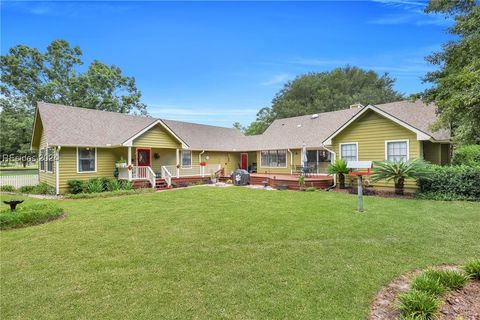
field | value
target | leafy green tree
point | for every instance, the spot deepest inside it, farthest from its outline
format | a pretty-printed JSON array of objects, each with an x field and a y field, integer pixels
[
  {"x": 237, "y": 125},
  {"x": 52, "y": 76},
  {"x": 326, "y": 91},
  {"x": 16, "y": 123},
  {"x": 456, "y": 84},
  {"x": 264, "y": 118}
]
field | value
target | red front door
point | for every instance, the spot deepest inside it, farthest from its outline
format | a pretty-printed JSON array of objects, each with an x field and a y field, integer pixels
[
  {"x": 244, "y": 161},
  {"x": 143, "y": 157}
]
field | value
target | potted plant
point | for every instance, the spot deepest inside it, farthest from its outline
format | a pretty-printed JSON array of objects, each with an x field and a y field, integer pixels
[
  {"x": 121, "y": 163},
  {"x": 339, "y": 167},
  {"x": 398, "y": 171},
  {"x": 213, "y": 178}
]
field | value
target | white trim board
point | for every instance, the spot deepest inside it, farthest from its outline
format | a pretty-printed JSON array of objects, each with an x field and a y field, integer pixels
[{"x": 421, "y": 136}]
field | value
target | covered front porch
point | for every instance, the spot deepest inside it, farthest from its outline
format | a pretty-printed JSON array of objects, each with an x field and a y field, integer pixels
[{"x": 160, "y": 166}]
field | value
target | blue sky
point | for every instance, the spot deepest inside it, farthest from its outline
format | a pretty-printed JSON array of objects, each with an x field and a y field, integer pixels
[{"x": 220, "y": 62}]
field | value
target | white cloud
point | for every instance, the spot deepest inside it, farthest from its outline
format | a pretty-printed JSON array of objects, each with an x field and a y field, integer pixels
[{"x": 276, "y": 80}]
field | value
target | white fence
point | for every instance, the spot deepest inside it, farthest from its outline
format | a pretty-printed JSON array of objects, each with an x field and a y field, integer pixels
[{"x": 19, "y": 180}]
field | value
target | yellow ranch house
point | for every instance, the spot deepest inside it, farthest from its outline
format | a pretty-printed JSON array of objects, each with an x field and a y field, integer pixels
[{"x": 79, "y": 143}]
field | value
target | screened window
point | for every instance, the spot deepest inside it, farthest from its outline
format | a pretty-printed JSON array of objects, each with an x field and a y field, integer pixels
[
  {"x": 41, "y": 159},
  {"x": 50, "y": 157},
  {"x": 397, "y": 151},
  {"x": 186, "y": 158},
  {"x": 86, "y": 159},
  {"x": 274, "y": 158},
  {"x": 348, "y": 151}
]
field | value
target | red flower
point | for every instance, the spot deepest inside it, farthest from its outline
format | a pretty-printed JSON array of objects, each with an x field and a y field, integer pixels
[{"x": 203, "y": 164}]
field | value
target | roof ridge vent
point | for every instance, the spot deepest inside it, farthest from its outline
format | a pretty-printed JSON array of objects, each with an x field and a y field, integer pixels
[
  {"x": 314, "y": 116},
  {"x": 356, "y": 106}
]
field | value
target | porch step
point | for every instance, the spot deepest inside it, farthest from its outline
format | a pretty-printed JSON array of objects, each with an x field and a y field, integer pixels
[{"x": 160, "y": 184}]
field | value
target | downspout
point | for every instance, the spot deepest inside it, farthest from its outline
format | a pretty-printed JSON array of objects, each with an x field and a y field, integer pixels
[
  {"x": 291, "y": 161},
  {"x": 202, "y": 169},
  {"x": 334, "y": 176},
  {"x": 57, "y": 171}
]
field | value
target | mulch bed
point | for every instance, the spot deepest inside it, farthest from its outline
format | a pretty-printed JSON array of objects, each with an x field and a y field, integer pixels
[
  {"x": 459, "y": 304},
  {"x": 464, "y": 302}
]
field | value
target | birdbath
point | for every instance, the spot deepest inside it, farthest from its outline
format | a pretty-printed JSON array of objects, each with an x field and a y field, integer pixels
[{"x": 13, "y": 204}]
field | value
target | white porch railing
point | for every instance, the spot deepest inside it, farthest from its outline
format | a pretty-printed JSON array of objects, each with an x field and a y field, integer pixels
[
  {"x": 194, "y": 171},
  {"x": 138, "y": 173}
]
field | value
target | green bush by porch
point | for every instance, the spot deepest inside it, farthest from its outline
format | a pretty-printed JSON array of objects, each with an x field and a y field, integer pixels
[{"x": 209, "y": 253}]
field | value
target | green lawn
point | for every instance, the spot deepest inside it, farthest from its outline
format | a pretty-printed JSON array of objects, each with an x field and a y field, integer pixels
[{"x": 233, "y": 253}]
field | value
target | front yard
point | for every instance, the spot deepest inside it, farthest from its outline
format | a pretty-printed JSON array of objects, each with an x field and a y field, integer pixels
[{"x": 234, "y": 253}]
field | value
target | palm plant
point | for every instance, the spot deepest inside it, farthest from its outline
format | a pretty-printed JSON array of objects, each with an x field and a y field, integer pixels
[
  {"x": 339, "y": 167},
  {"x": 398, "y": 171}
]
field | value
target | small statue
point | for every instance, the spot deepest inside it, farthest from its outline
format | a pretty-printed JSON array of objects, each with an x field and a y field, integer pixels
[{"x": 13, "y": 204}]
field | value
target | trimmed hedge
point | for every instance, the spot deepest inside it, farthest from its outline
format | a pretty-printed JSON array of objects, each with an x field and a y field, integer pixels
[
  {"x": 467, "y": 155},
  {"x": 28, "y": 215},
  {"x": 450, "y": 183}
]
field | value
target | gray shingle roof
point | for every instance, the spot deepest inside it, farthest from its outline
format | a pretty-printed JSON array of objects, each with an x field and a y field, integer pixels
[
  {"x": 417, "y": 114},
  {"x": 71, "y": 126}
]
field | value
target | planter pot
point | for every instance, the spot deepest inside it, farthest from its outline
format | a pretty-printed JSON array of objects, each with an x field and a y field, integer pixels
[
  {"x": 121, "y": 165},
  {"x": 213, "y": 180}
]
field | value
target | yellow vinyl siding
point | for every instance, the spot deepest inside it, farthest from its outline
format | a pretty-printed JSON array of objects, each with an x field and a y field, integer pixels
[
  {"x": 370, "y": 132},
  {"x": 157, "y": 137},
  {"x": 106, "y": 158},
  {"x": 47, "y": 177},
  {"x": 228, "y": 160},
  {"x": 297, "y": 161}
]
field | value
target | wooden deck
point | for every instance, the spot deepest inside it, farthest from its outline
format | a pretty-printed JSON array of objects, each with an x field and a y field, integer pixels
[{"x": 291, "y": 181}]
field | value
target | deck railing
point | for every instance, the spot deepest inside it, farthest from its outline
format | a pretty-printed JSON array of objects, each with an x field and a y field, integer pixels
[
  {"x": 138, "y": 173},
  {"x": 193, "y": 171}
]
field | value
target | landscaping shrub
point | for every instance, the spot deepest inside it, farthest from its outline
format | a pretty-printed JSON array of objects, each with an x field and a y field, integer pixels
[
  {"x": 44, "y": 188},
  {"x": 450, "y": 183},
  {"x": 26, "y": 189},
  {"x": 75, "y": 186},
  {"x": 472, "y": 269},
  {"x": 448, "y": 278},
  {"x": 428, "y": 284},
  {"x": 417, "y": 304},
  {"x": 7, "y": 188},
  {"x": 113, "y": 185},
  {"x": 27, "y": 215},
  {"x": 94, "y": 185},
  {"x": 105, "y": 182},
  {"x": 126, "y": 185},
  {"x": 467, "y": 155}
]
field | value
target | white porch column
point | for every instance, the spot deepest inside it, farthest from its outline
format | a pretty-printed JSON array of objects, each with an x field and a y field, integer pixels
[
  {"x": 129, "y": 163},
  {"x": 178, "y": 162}
]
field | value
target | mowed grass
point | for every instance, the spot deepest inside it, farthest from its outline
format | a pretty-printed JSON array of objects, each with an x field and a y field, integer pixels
[{"x": 226, "y": 253}]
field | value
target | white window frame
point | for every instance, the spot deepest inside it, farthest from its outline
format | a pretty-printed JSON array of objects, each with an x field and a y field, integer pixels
[
  {"x": 48, "y": 159},
  {"x": 286, "y": 159},
  {"x": 401, "y": 140},
  {"x": 344, "y": 143},
  {"x": 181, "y": 159},
  {"x": 96, "y": 161},
  {"x": 41, "y": 159}
]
